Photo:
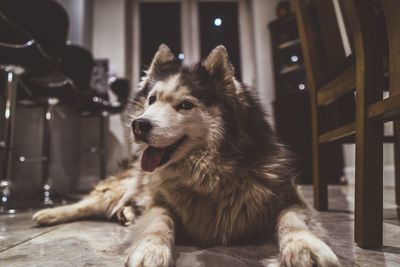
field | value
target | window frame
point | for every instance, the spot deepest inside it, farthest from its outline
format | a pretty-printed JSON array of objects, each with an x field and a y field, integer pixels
[{"x": 190, "y": 36}]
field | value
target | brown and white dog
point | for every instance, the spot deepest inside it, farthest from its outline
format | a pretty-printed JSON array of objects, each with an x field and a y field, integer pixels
[{"x": 210, "y": 169}]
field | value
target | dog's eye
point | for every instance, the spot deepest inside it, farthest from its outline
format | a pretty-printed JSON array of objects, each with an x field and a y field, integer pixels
[
  {"x": 185, "y": 105},
  {"x": 152, "y": 99}
]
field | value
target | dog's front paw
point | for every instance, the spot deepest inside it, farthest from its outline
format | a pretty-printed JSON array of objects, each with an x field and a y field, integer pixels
[
  {"x": 48, "y": 216},
  {"x": 150, "y": 252},
  {"x": 308, "y": 251},
  {"x": 126, "y": 215}
]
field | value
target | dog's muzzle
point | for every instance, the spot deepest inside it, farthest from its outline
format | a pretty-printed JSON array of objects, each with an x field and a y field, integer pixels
[{"x": 141, "y": 129}]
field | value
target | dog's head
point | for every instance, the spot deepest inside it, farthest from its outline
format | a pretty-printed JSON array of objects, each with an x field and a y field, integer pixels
[{"x": 179, "y": 110}]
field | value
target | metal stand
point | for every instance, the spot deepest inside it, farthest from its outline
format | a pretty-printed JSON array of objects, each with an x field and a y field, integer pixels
[
  {"x": 102, "y": 145},
  {"x": 8, "y": 144},
  {"x": 46, "y": 152},
  {"x": 46, "y": 157}
]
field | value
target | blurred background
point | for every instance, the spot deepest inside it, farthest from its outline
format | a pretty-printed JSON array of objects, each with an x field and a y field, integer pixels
[{"x": 119, "y": 38}]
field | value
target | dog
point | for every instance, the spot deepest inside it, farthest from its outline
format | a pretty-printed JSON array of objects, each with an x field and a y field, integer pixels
[{"x": 211, "y": 170}]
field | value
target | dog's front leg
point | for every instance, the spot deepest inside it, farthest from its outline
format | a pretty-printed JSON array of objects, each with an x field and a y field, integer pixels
[
  {"x": 153, "y": 248},
  {"x": 298, "y": 245}
]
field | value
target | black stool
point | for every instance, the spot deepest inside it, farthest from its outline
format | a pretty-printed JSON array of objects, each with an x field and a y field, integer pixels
[
  {"x": 94, "y": 104},
  {"x": 19, "y": 53},
  {"x": 32, "y": 41},
  {"x": 102, "y": 108},
  {"x": 47, "y": 93}
]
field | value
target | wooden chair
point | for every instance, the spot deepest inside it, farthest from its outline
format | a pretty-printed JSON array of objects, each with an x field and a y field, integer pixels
[
  {"x": 330, "y": 76},
  {"x": 372, "y": 111}
]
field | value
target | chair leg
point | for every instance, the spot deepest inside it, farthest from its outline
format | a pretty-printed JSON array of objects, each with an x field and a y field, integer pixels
[
  {"x": 369, "y": 183},
  {"x": 9, "y": 126},
  {"x": 396, "y": 129},
  {"x": 319, "y": 182},
  {"x": 369, "y": 133}
]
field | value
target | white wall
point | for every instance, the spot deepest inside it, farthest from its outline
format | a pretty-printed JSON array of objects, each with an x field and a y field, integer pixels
[
  {"x": 263, "y": 13},
  {"x": 78, "y": 19},
  {"x": 109, "y": 33}
]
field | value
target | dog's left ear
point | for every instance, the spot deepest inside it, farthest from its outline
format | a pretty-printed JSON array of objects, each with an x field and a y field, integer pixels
[
  {"x": 218, "y": 63},
  {"x": 162, "y": 56}
]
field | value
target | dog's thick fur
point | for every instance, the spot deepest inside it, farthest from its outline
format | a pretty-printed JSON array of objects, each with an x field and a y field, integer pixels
[{"x": 229, "y": 181}]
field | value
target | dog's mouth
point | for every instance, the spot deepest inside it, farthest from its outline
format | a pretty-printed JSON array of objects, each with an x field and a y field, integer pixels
[{"x": 154, "y": 157}]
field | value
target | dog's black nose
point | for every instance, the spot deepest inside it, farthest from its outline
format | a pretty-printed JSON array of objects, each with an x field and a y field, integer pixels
[{"x": 141, "y": 127}]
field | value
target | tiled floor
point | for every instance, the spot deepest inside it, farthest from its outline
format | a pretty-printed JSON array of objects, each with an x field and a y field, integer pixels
[{"x": 102, "y": 243}]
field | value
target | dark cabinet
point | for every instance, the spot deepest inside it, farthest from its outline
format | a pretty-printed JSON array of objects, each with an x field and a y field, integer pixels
[{"x": 292, "y": 103}]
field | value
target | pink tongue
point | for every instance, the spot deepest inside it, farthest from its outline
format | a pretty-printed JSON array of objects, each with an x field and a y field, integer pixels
[{"x": 151, "y": 158}]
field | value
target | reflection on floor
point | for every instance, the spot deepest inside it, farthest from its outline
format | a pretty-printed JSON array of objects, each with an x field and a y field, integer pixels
[{"x": 103, "y": 243}]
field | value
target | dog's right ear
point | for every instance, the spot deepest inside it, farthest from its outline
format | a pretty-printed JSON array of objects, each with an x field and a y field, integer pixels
[
  {"x": 162, "y": 56},
  {"x": 218, "y": 63}
]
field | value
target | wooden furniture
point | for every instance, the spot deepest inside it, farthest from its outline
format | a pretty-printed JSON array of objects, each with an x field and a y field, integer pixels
[
  {"x": 292, "y": 115},
  {"x": 365, "y": 23},
  {"x": 388, "y": 108},
  {"x": 331, "y": 82},
  {"x": 372, "y": 111}
]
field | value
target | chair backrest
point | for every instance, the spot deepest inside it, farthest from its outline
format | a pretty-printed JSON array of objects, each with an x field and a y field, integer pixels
[
  {"x": 386, "y": 55},
  {"x": 11, "y": 34},
  {"x": 45, "y": 20},
  {"x": 325, "y": 32},
  {"x": 369, "y": 41},
  {"x": 77, "y": 63},
  {"x": 392, "y": 19},
  {"x": 121, "y": 88},
  {"x": 323, "y": 44}
]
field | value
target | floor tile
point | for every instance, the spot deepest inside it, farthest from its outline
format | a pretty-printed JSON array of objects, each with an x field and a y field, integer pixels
[
  {"x": 98, "y": 243},
  {"x": 16, "y": 229}
]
